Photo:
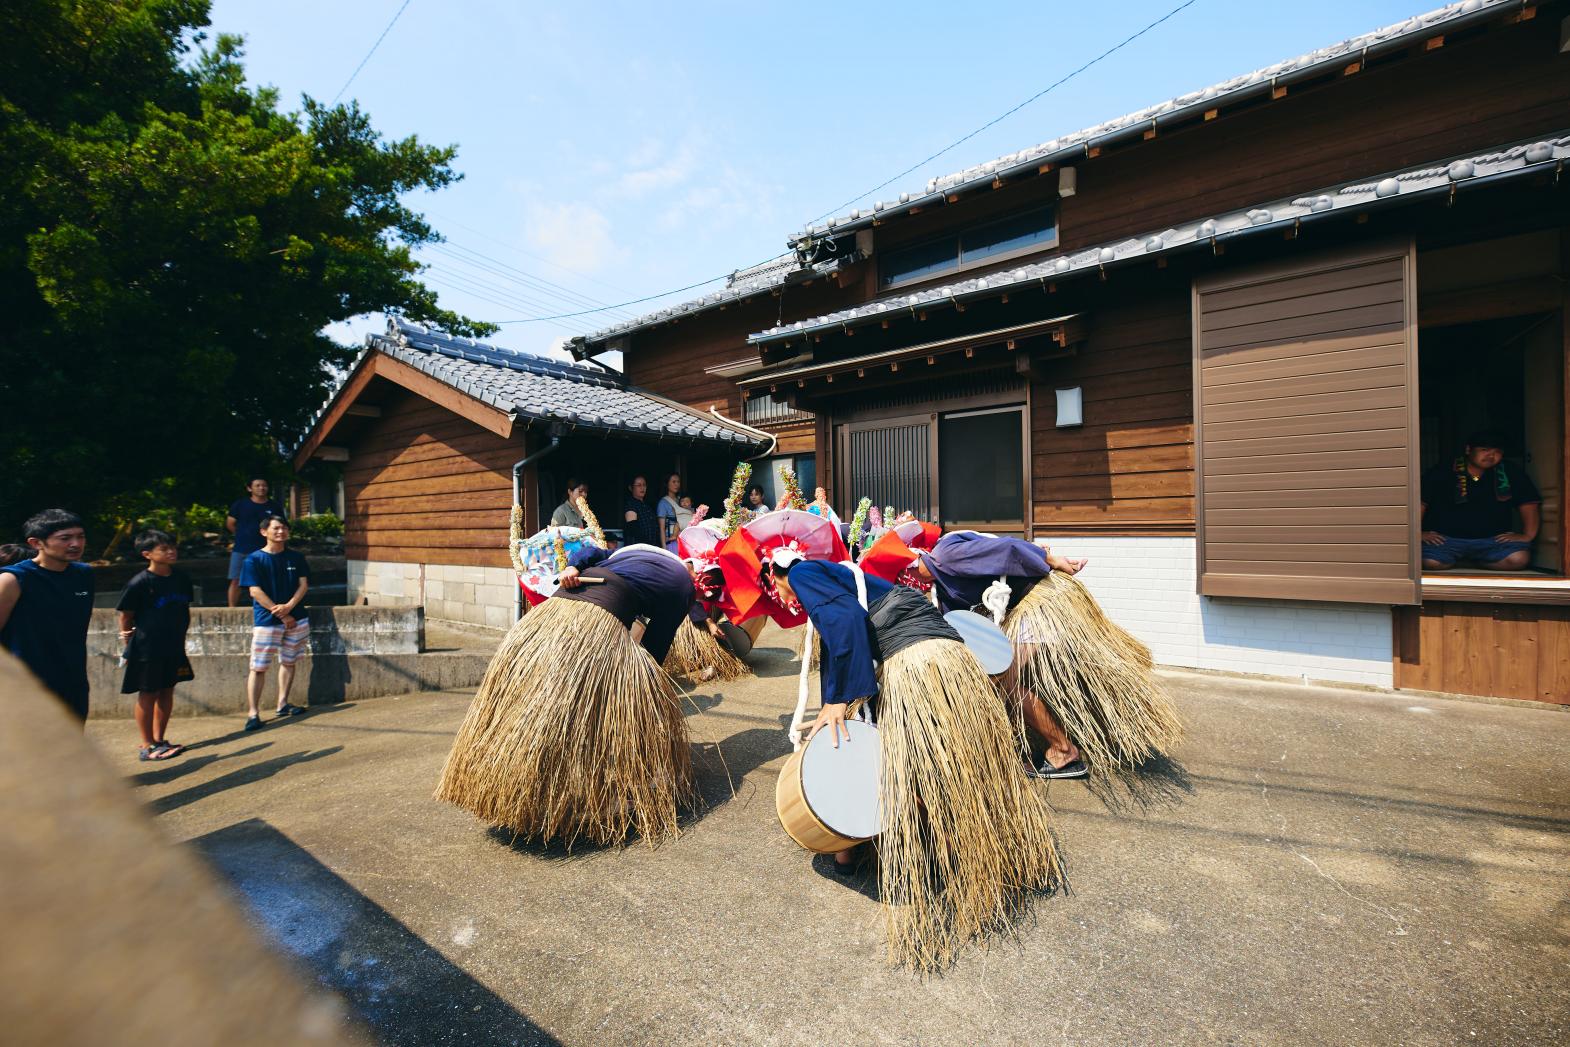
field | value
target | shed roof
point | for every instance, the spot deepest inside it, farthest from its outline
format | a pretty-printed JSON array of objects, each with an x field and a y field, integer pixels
[
  {"x": 1504, "y": 162},
  {"x": 1073, "y": 146},
  {"x": 535, "y": 388}
]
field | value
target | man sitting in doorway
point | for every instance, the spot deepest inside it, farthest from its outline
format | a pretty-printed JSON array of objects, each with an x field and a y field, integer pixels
[{"x": 1469, "y": 508}]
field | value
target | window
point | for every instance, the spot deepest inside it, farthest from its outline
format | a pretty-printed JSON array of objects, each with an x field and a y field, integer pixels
[
  {"x": 769, "y": 475},
  {"x": 764, "y": 408},
  {"x": 981, "y": 469},
  {"x": 1019, "y": 234}
]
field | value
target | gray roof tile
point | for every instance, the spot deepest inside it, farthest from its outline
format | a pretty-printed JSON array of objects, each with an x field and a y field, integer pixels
[
  {"x": 1072, "y": 146},
  {"x": 536, "y": 388},
  {"x": 1504, "y": 162}
]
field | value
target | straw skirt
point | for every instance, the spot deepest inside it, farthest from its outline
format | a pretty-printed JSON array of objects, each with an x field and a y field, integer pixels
[
  {"x": 574, "y": 733},
  {"x": 1094, "y": 676},
  {"x": 966, "y": 838},
  {"x": 695, "y": 650}
]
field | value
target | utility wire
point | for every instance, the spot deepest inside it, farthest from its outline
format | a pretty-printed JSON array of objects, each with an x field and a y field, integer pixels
[
  {"x": 914, "y": 167},
  {"x": 565, "y": 297},
  {"x": 482, "y": 234},
  {"x": 371, "y": 52},
  {"x": 1046, "y": 90}
]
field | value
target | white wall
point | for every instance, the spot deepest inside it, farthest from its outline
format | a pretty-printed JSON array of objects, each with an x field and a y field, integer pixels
[
  {"x": 477, "y": 595},
  {"x": 1147, "y": 585}
]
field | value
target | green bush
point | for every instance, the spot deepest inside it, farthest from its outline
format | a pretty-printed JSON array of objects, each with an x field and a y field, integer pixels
[
  {"x": 184, "y": 524},
  {"x": 317, "y": 525}
]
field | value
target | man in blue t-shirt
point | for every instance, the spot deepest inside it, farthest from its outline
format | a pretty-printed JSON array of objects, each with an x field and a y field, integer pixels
[
  {"x": 278, "y": 578},
  {"x": 245, "y": 523},
  {"x": 46, "y": 604}
]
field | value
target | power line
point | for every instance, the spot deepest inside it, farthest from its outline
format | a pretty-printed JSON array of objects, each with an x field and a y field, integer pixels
[
  {"x": 915, "y": 167},
  {"x": 469, "y": 256},
  {"x": 371, "y": 52},
  {"x": 1049, "y": 88},
  {"x": 482, "y": 234}
]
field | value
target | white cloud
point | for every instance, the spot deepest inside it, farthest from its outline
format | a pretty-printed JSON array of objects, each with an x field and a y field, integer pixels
[
  {"x": 572, "y": 235},
  {"x": 653, "y": 169}
]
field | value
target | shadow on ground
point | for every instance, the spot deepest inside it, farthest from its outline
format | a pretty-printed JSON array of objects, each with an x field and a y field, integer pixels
[{"x": 392, "y": 978}]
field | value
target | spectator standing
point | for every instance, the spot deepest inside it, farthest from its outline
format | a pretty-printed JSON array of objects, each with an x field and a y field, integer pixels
[
  {"x": 245, "y": 523},
  {"x": 757, "y": 502},
  {"x": 670, "y": 511},
  {"x": 155, "y": 612},
  {"x": 46, "y": 604},
  {"x": 11, "y": 553},
  {"x": 639, "y": 524},
  {"x": 567, "y": 513},
  {"x": 278, "y": 578}
]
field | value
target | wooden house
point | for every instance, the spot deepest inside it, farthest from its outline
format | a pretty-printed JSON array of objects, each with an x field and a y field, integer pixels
[
  {"x": 431, "y": 433},
  {"x": 1212, "y": 345}
]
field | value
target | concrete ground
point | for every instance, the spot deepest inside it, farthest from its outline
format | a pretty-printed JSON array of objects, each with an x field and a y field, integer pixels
[{"x": 1317, "y": 866}]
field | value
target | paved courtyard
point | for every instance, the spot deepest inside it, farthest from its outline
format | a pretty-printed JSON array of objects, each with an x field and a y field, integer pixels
[{"x": 1317, "y": 866}]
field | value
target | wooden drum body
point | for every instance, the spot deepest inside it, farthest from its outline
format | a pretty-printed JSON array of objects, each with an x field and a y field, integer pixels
[{"x": 827, "y": 798}]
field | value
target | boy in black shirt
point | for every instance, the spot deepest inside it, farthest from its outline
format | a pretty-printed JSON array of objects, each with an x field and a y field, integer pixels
[
  {"x": 155, "y": 611},
  {"x": 1469, "y": 508}
]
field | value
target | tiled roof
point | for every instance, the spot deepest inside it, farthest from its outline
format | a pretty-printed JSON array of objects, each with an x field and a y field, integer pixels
[
  {"x": 777, "y": 272},
  {"x": 1507, "y": 161},
  {"x": 1073, "y": 146},
  {"x": 536, "y": 388}
]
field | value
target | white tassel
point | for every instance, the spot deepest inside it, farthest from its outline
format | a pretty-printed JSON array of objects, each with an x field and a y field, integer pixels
[{"x": 996, "y": 599}]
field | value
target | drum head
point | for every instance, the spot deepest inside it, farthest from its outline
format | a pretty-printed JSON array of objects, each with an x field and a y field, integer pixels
[
  {"x": 841, "y": 785},
  {"x": 986, "y": 641},
  {"x": 736, "y": 639}
]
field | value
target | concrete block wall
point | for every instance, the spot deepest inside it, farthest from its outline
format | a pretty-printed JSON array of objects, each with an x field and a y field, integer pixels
[
  {"x": 476, "y": 595},
  {"x": 1147, "y": 585}
]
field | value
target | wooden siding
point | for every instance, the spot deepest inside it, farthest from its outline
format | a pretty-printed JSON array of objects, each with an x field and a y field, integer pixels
[
  {"x": 1469, "y": 96},
  {"x": 1130, "y": 468},
  {"x": 1502, "y": 651},
  {"x": 423, "y": 485},
  {"x": 1306, "y": 400}
]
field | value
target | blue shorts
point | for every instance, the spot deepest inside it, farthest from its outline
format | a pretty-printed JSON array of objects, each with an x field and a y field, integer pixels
[
  {"x": 236, "y": 561},
  {"x": 1484, "y": 550}
]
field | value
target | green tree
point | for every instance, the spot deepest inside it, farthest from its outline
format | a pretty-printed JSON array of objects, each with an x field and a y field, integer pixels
[{"x": 172, "y": 245}]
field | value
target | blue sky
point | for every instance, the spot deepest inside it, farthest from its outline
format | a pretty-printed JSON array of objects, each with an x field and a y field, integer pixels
[{"x": 617, "y": 150}]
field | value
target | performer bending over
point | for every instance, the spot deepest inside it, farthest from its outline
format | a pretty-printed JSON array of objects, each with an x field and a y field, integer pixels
[
  {"x": 1073, "y": 667},
  {"x": 965, "y": 837},
  {"x": 576, "y": 730}
]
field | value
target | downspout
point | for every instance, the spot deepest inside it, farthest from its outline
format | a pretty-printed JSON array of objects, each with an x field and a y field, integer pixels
[
  {"x": 773, "y": 440},
  {"x": 517, "y": 507}
]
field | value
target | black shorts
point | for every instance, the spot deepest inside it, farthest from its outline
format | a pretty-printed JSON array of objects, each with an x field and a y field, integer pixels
[{"x": 154, "y": 674}]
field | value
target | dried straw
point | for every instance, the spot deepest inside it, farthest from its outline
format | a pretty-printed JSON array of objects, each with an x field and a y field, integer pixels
[
  {"x": 694, "y": 650},
  {"x": 1093, "y": 675},
  {"x": 574, "y": 732},
  {"x": 817, "y": 648},
  {"x": 966, "y": 837}
]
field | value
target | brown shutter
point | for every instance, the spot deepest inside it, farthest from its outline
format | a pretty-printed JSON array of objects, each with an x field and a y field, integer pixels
[{"x": 1305, "y": 404}]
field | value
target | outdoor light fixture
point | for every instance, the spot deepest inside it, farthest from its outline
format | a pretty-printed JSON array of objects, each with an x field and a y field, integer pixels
[
  {"x": 1071, "y": 408},
  {"x": 1068, "y": 182}
]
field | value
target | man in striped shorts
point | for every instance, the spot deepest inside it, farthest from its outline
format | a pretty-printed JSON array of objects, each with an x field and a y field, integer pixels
[{"x": 278, "y": 578}]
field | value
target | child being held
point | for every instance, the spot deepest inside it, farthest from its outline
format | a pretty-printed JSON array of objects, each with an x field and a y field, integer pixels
[{"x": 155, "y": 612}]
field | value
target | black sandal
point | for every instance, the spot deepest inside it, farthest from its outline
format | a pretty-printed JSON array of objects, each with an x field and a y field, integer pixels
[{"x": 1075, "y": 768}]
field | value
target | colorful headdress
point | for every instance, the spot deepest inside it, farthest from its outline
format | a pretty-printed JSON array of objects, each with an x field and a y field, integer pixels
[{"x": 776, "y": 538}]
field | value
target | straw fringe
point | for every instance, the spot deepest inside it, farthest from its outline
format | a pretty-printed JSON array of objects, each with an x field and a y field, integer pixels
[
  {"x": 574, "y": 732},
  {"x": 694, "y": 650},
  {"x": 966, "y": 836},
  {"x": 1094, "y": 676},
  {"x": 817, "y": 649}
]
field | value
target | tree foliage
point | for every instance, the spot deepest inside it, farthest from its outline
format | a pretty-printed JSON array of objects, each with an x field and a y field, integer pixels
[{"x": 172, "y": 245}]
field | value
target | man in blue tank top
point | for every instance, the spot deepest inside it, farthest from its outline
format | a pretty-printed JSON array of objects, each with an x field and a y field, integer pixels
[{"x": 46, "y": 604}]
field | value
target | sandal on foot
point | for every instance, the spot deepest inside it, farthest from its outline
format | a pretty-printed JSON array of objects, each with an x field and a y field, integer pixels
[
  {"x": 290, "y": 710},
  {"x": 252, "y": 723},
  {"x": 169, "y": 748},
  {"x": 1075, "y": 768},
  {"x": 151, "y": 752}
]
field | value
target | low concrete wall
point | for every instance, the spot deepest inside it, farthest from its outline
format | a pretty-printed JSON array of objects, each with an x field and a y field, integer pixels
[
  {"x": 355, "y": 653},
  {"x": 477, "y": 595}
]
